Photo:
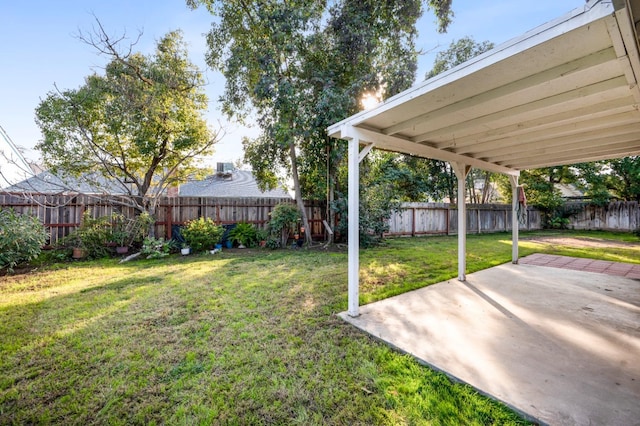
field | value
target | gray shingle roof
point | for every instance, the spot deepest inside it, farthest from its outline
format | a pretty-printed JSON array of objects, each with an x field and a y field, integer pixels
[
  {"x": 239, "y": 183},
  {"x": 47, "y": 182}
]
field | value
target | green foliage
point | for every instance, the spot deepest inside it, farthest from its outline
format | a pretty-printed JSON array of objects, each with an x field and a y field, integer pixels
[
  {"x": 202, "y": 234},
  {"x": 303, "y": 65},
  {"x": 155, "y": 248},
  {"x": 459, "y": 51},
  {"x": 137, "y": 129},
  {"x": 95, "y": 234},
  {"x": 119, "y": 233},
  {"x": 375, "y": 209},
  {"x": 624, "y": 178},
  {"x": 21, "y": 238},
  {"x": 558, "y": 223},
  {"x": 92, "y": 235},
  {"x": 245, "y": 234},
  {"x": 284, "y": 219},
  {"x": 140, "y": 227},
  {"x": 272, "y": 243}
]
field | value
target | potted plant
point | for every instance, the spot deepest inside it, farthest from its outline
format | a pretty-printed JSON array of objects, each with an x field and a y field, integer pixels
[
  {"x": 244, "y": 234},
  {"x": 261, "y": 236},
  {"x": 121, "y": 237},
  {"x": 185, "y": 250},
  {"x": 78, "y": 249}
]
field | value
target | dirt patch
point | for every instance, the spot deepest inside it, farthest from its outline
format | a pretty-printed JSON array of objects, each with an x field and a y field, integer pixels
[{"x": 580, "y": 242}]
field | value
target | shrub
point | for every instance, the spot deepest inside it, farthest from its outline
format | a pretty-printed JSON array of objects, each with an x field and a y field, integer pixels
[
  {"x": 374, "y": 212},
  {"x": 21, "y": 238},
  {"x": 95, "y": 234},
  {"x": 284, "y": 220},
  {"x": 155, "y": 248},
  {"x": 92, "y": 235},
  {"x": 202, "y": 234},
  {"x": 245, "y": 234},
  {"x": 272, "y": 243}
]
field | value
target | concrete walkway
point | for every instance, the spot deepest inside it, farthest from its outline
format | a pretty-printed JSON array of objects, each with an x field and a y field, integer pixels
[{"x": 559, "y": 345}]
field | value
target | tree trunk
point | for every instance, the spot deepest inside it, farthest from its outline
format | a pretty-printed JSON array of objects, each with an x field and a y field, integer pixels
[
  {"x": 331, "y": 214},
  {"x": 488, "y": 193},
  {"x": 331, "y": 187},
  {"x": 298, "y": 191},
  {"x": 451, "y": 180}
]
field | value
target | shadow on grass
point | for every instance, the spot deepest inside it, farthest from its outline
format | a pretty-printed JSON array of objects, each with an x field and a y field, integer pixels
[{"x": 216, "y": 339}]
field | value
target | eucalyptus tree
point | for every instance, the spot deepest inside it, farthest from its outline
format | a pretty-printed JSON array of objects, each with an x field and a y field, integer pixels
[
  {"x": 294, "y": 67},
  {"x": 139, "y": 126}
]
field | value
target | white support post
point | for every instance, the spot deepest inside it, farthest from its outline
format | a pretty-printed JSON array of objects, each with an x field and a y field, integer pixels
[
  {"x": 515, "y": 225},
  {"x": 354, "y": 225},
  {"x": 462, "y": 170}
]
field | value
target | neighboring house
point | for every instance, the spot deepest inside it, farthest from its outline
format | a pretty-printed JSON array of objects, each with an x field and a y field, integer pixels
[
  {"x": 48, "y": 183},
  {"x": 13, "y": 166},
  {"x": 569, "y": 191},
  {"x": 228, "y": 182}
]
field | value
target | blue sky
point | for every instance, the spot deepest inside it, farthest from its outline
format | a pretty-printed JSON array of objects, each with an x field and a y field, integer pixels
[{"x": 38, "y": 48}]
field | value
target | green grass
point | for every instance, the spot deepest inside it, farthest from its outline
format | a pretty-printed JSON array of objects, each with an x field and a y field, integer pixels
[{"x": 237, "y": 338}]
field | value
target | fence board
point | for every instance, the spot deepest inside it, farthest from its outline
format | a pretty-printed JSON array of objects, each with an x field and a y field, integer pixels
[
  {"x": 616, "y": 216},
  {"x": 62, "y": 214},
  {"x": 439, "y": 218}
]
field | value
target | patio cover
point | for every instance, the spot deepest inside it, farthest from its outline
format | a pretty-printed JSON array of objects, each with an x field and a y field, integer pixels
[{"x": 563, "y": 93}]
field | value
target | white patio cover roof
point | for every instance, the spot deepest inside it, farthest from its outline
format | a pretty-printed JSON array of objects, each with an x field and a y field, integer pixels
[{"x": 563, "y": 93}]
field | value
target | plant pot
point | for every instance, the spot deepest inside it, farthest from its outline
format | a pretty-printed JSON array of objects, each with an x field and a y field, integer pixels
[
  {"x": 229, "y": 244},
  {"x": 122, "y": 250},
  {"x": 79, "y": 253},
  {"x": 185, "y": 251},
  {"x": 263, "y": 243}
]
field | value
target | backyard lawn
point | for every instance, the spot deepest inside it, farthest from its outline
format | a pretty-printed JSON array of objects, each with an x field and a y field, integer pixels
[{"x": 242, "y": 337}]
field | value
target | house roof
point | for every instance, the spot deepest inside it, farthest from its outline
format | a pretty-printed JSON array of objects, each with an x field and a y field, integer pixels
[
  {"x": 230, "y": 184},
  {"x": 48, "y": 183},
  {"x": 563, "y": 93}
]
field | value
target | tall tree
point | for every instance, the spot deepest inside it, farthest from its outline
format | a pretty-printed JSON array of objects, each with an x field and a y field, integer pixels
[
  {"x": 458, "y": 52},
  {"x": 301, "y": 65},
  {"x": 139, "y": 125},
  {"x": 624, "y": 178},
  {"x": 260, "y": 48}
]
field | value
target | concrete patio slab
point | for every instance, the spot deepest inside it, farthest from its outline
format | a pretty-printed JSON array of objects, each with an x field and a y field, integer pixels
[{"x": 559, "y": 345}]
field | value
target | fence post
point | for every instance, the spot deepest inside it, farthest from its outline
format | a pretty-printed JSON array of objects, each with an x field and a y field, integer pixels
[
  {"x": 169, "y": 221},
  {"x": 413, "y": 221}
]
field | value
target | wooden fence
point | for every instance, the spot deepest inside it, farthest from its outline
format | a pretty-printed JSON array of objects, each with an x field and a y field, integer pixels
[
  {"x": 439, "y": 218},
  {"x": 62, "y": 214},
  {"x": 616, "y": 216}
]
